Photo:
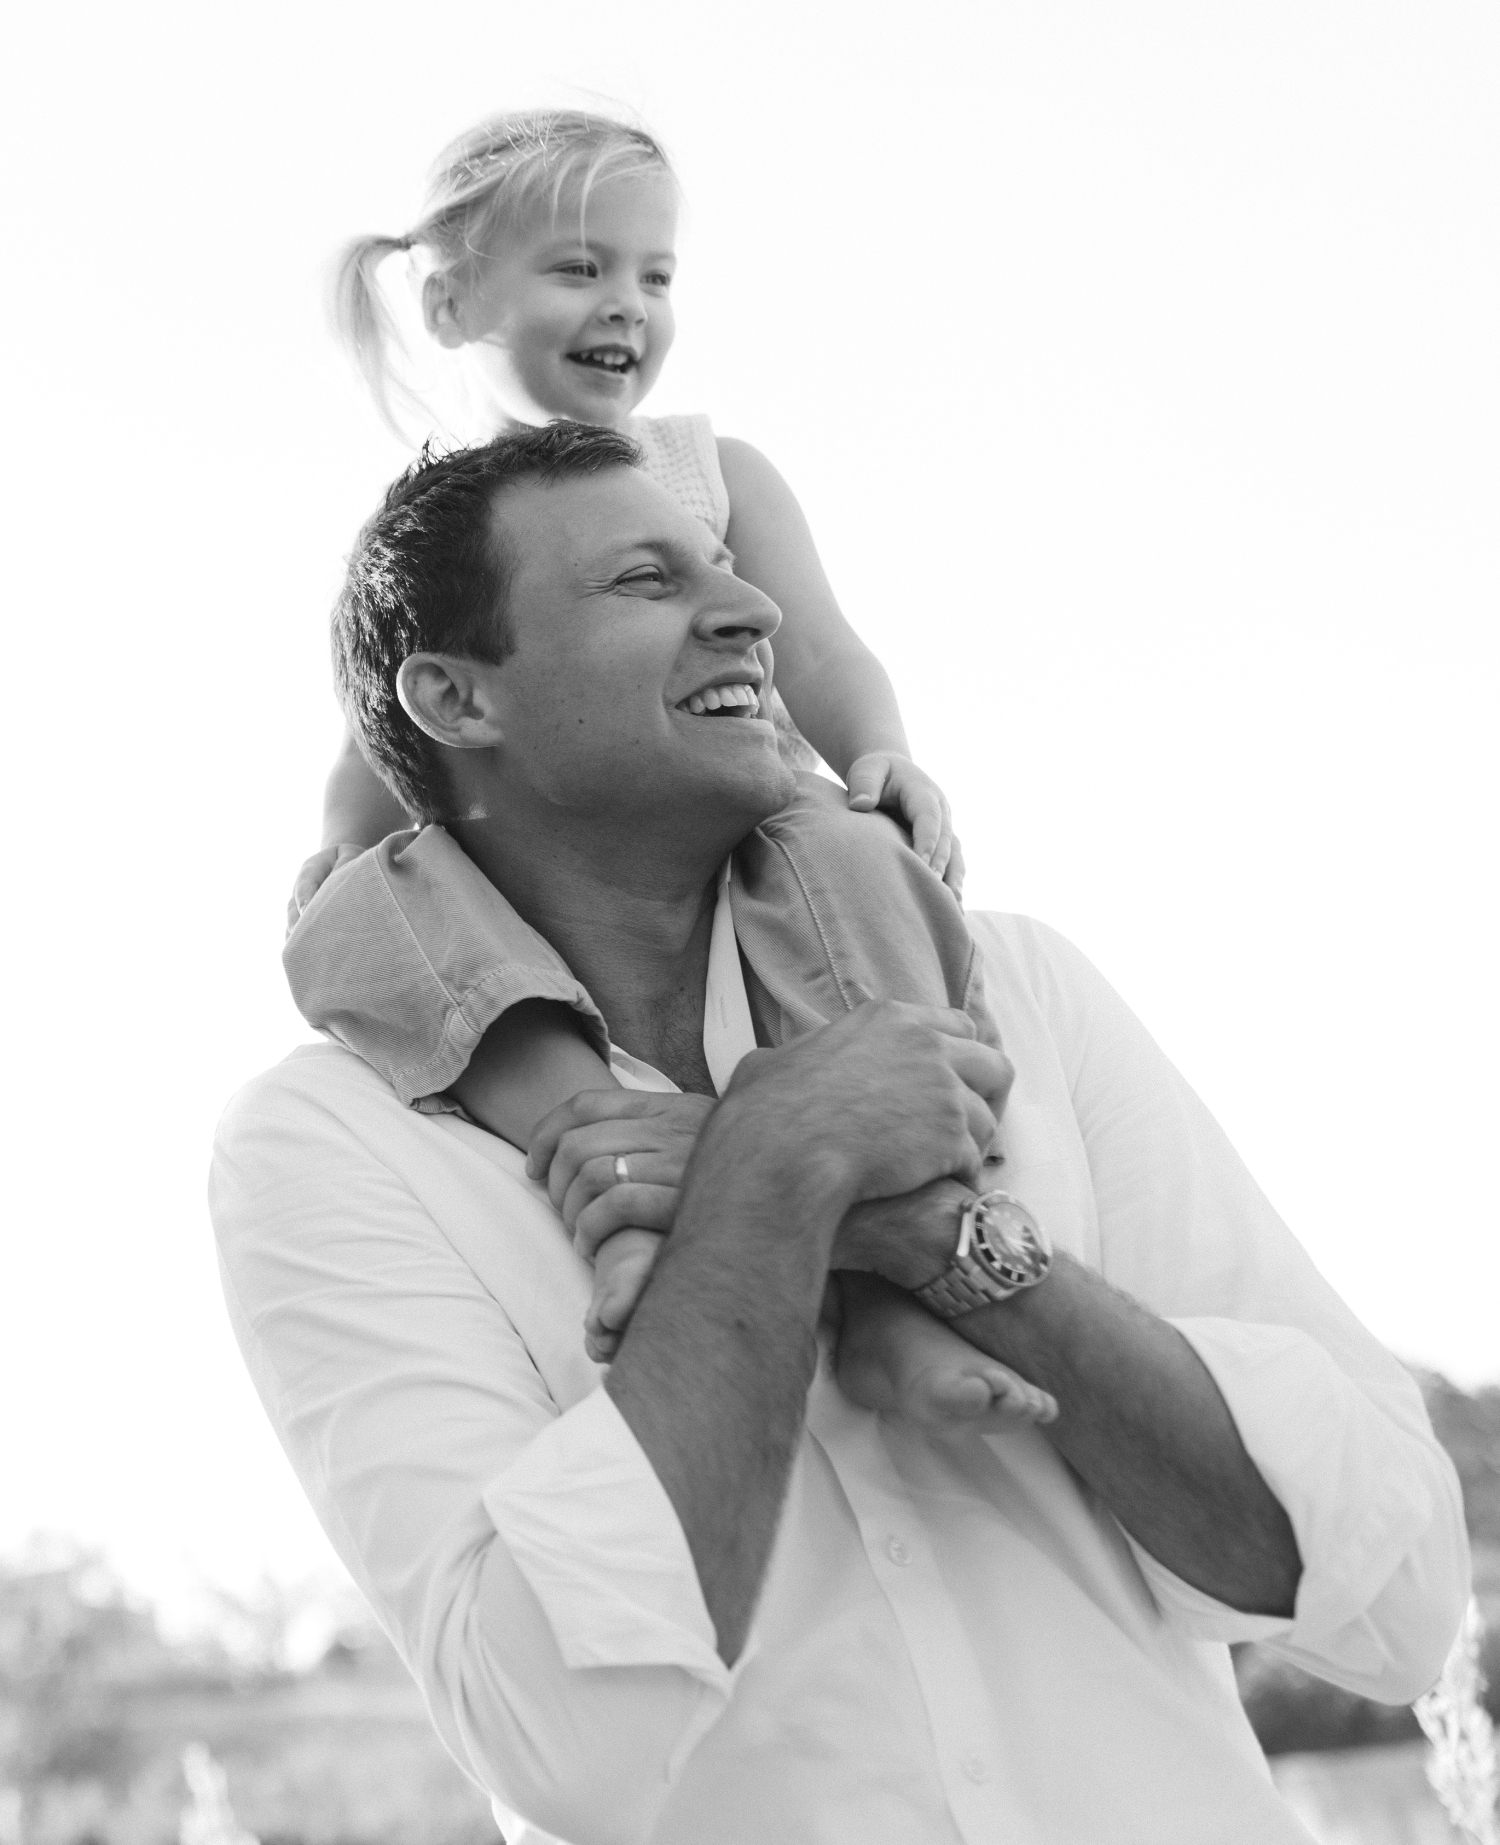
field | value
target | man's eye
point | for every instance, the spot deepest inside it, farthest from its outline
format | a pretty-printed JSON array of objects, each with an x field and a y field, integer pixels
[{"x": 650, "y": 575}]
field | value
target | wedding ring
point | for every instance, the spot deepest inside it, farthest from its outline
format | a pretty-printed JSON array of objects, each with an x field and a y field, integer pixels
[{"x": 622, "y": 1171}]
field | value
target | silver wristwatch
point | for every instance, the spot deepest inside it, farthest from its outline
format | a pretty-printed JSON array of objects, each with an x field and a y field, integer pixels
[{"x": 1001, "y": 1249}]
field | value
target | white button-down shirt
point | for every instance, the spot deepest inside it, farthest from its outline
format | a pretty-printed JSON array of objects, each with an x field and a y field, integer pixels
[{"x": 956, "y": 1640}]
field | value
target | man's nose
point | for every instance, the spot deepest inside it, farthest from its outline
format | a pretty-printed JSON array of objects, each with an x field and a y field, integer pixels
[{"x": 738, "y": 613}]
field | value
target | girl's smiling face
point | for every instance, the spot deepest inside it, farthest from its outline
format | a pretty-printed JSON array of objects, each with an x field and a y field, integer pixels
[{"x": 570, "y": 317}]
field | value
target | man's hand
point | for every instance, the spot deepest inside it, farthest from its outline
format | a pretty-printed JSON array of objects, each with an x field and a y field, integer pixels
[
  {"x": 314, "y": 874},
  {"x": 885, "y": 779},
  {"x": 575, "y": 1147},
  {"x": 892, "y": 1084},
  {"x": 880, "y": 1103}
]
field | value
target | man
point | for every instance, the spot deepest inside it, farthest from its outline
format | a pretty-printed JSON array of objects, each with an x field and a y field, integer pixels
[{"x": 709, "y": 1600}]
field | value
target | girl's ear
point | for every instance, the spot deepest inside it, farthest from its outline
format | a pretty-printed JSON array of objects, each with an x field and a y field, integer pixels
[
  {"x": 440, "y": 311},
  {"x": 452, "y": 699}
]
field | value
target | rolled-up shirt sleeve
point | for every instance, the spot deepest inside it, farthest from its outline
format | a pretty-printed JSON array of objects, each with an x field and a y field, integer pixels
[
  {"x": 1332, "y": 1421},
  {"x": 590, "y": 1525},
  {"x": 409, "y": 954},
  {"x": 522, "y": 1554}
]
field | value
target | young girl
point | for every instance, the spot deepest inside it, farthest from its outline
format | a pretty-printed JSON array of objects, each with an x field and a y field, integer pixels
[{"x": 549, "y": 241}]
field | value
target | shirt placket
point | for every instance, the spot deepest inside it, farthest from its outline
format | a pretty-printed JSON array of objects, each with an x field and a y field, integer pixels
[{"x": 966, "y": 1728}]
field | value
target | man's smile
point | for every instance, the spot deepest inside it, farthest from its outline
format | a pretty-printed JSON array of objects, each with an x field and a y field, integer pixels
[
  {"x": 723, "y": 701},
  {"x": 724, "y": 698}
]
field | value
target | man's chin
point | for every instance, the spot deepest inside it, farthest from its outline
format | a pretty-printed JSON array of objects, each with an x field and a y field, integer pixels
[
  {"x": 784, "y": 786},
  {"x": 741, "y": 757},
  {"x": 757, "y": 786}
]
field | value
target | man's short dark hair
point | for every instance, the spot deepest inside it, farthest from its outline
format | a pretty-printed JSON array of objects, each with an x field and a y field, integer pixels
[{"x": 428, "y": 574}]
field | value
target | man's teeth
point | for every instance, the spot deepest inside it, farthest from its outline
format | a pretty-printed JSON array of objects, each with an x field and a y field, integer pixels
[{"x": 723, "y": 698}]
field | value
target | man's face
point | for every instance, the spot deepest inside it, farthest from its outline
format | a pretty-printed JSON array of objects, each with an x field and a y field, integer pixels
[{"x": 641, "y": 663}]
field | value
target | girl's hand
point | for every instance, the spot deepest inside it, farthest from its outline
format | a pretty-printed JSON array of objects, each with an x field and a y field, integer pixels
[
  {"x": 314, "y": 874},
  {"x": 620, "y": 1270},
  {"x": 574, "y": 1150},
  {"x": 892, "y": 781}
]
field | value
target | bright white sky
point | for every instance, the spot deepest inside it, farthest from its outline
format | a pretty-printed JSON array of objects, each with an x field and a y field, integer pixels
[{"x": 1137, "y": 368}]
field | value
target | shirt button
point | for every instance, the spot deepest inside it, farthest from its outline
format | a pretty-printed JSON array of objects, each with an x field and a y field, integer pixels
[
  {"x": 976, "y": 1768},
  {"x": 897, "y": 1552}
]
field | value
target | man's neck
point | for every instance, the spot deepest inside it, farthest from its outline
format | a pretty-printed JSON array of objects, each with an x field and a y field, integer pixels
[{"x": 634, "y": 926}]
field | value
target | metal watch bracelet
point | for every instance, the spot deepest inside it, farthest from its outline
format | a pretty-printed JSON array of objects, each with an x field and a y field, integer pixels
[{"x": 1002, "y": 1249}]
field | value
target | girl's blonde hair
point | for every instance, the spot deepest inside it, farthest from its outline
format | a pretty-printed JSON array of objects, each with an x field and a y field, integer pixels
[{"x": 482, "y": 184}]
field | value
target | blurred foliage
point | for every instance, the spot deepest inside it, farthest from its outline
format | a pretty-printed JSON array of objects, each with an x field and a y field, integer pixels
[
  {"x": 1290, "y": 1710},
  {"x": 96, "y": 1708},
  {"x": 1468, "y": 1426}
]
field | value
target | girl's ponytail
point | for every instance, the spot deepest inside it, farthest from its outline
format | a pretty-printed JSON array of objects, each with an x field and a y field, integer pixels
[{"x": 361, "y": 318}]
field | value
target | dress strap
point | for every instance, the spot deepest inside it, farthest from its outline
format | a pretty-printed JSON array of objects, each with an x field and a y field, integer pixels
[{"x": 682, "y": 454}]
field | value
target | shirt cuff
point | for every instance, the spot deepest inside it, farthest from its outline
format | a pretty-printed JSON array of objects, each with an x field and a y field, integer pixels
[
  {"x": 409, "y": 954},
  {"x": 1342, "y": 1471},
  {"x": 592, "y": 1530}
]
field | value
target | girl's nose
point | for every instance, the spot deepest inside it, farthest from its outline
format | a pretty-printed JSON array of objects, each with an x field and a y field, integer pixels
[{"x": 625, "y": 308}]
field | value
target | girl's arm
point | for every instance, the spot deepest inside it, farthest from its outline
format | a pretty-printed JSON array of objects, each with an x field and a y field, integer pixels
[
  {"x": 834, "y": 687},
  {"x": 358, "y": 808},
  {"x": 358, "y": 812},
  {"x": 529, "y": 1062}
]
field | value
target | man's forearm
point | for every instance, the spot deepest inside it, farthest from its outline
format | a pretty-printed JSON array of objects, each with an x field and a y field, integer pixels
[
  {"x": 1140, "y": 1416},
  {"x": 713, "y": 1373},
  {"x": 1142, "y": 1420}
]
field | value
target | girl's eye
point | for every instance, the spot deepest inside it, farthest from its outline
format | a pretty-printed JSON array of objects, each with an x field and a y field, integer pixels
[
  {"x": 658, "y": 278},
  {"x": 584, "y": 269}
]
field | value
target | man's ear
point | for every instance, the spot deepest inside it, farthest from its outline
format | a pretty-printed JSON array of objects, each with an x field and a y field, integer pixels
[
  {"x": 440, "y": 312},
  {"x": 452, "y": 699}
]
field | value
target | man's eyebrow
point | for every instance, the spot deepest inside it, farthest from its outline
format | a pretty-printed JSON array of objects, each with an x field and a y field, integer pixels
[
  {"x": 612, "y": 555},
  {"x": 673, "y": 551}
]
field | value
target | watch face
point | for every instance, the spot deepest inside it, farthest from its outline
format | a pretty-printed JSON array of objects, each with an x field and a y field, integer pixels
[{"x": 1009, "y": 1241}]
